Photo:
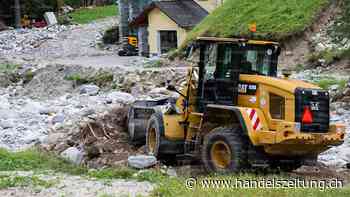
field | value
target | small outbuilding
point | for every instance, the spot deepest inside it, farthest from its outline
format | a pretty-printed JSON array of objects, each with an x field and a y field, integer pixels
[{"x": 167, "y": 24}]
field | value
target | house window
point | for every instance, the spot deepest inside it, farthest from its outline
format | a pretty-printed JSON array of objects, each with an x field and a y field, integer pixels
[{"x": 168, "y": 41}]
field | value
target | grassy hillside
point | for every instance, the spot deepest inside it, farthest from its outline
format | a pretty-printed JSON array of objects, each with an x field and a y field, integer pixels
[
  {"x": 87, "y": 15},
  {"x": 276, "y": 19}
]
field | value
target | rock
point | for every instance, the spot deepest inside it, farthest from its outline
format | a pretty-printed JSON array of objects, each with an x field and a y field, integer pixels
[
  {"x": 121, "y": 97},
  {"x": 46, "y": 111},
  {"x": 88, "y": 112},
  {"x": 66, "y": 9},
  {"x": 142, "y": 161},
  {"x": 320, "y": 47},
  {"x": 334, "y": 87},
  {"x": 53, "y": 138},
  {"x": 6, "y": 124},
  {"x": 50, "y": 18},
  {"x": 346, "y": 92},
  {"x": 120, "y": 163},
  {"x": 171, "y": 172},
  {"x": 73, "y": 155},
  {"x": 61, "y": 147},
  {"x": 289, "y": 53},
  {"x": 59, "y": 118},
  {"x": 4, "y": 80},
  {"x": 91, "y": 90}
]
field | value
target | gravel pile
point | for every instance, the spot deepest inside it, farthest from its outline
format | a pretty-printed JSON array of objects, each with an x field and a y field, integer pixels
[
  {"x": 25, "y": 121},
  {"x": 339, "y": 156},
  {"x": 25, "y": 40}
]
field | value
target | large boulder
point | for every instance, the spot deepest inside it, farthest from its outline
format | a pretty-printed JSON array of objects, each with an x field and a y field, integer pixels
[
  {"x": 91, "y": 90},
  {"x": 120, "y": 97},
  {"x": 73, "y": 155},
  {"x": 142, "y": 161}
]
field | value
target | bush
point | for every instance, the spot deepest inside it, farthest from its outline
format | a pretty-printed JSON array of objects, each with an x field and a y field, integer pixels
[
  {"x": 328, "y": 82},
  {"x": 329, "y": 56}
]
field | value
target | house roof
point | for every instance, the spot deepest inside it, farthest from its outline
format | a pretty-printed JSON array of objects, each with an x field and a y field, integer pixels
[{"x": 185, "y": 13}]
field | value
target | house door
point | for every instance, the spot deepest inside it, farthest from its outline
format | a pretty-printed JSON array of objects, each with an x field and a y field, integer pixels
[{"x": 168, "y": 41}]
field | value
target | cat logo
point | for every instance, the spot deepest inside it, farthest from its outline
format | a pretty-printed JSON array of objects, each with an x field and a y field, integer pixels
[
  {"x": 315, "y": 106},
  {"x": 247, "y": 89}
]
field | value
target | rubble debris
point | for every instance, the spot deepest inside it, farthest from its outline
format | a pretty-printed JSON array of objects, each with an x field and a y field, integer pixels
[
  {"x": 343, "y": 95},
  {"x": 26, "y": 40},
  {"x": 105, "y": 139},
  {"x": 4, "y": 80},
  {"x": 142, "y": 161}
]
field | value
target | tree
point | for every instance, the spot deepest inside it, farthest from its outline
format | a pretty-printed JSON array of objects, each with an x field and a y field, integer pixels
[{"x": 17, "y": 11}]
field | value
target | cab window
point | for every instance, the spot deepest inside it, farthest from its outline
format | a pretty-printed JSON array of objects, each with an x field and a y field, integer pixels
[{"x": 257, "y": 61}]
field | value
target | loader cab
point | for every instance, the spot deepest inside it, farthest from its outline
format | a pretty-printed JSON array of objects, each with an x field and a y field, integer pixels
[{"x": 223, "y": 60}]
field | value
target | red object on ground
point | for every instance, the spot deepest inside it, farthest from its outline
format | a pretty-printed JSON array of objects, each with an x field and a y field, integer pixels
[{"x": 40, "y": 24}]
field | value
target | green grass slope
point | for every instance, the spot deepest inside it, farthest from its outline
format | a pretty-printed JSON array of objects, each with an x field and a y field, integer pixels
[
  {"x": 276, "y": 19},
  {"x": 87, "y": 15}
]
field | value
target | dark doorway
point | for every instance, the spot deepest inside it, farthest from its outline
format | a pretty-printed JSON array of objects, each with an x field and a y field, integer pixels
[{"x": 168, "y": 41}]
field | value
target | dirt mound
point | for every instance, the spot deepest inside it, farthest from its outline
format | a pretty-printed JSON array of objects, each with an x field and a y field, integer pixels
[
  {"x": 54, "y": 81},
  {"x": 105, "y": 139},
  {"x": 48, "y": 82}
]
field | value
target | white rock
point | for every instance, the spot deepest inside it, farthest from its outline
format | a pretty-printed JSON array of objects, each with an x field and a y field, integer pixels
[
  {"x": 74, "y": 155},
  {"x": 59, "y": 118},
  {"x": 91, "y": 90},
  {"x": 6, "y": 124},
  {"x": 142, "y": 161},
  {"x": 50, "y": 18},
  {"x": 171, "y": 172},
  {"x": 121, "y": 97}
]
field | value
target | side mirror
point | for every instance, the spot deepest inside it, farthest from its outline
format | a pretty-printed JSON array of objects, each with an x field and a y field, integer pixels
[{"x": 286, "y": 73}]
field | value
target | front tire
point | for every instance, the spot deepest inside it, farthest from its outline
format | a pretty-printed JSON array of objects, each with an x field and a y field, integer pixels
[
  {"x": 154, "y": 130},
  {"x": 224, "y": 151}
]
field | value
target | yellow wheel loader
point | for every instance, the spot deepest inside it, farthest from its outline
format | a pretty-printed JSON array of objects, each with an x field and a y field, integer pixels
[{"x": 234, "y": 112}]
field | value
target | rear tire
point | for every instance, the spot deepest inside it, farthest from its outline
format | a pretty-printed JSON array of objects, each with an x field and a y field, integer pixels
[
  {"x": 224, "y": 151},
  {"x": 136, "y": 135},
  {"x": 131, "y": 125}
]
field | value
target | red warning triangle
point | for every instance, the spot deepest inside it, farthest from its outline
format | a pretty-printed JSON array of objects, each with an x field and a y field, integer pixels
[{"x": 307, "y": 116}]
